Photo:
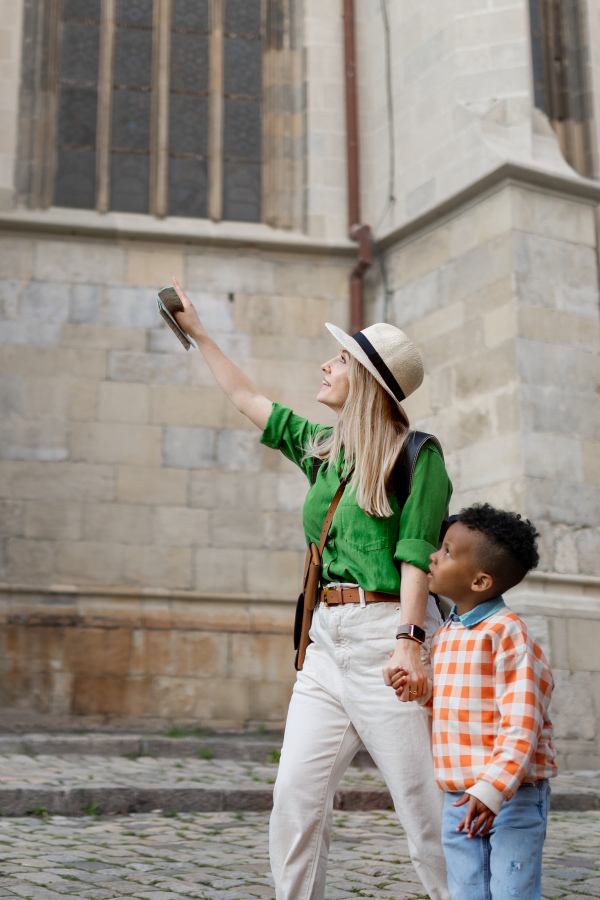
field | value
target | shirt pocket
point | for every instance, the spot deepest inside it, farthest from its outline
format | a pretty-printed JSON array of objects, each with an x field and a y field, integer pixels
[{"x": 366, "y": 533}]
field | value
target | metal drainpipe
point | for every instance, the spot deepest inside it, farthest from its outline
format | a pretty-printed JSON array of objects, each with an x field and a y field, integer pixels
[{"x": 358, "y": 232}]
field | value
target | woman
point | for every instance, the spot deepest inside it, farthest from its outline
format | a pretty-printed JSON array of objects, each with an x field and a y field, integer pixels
[{"x": 340, "y": 699}]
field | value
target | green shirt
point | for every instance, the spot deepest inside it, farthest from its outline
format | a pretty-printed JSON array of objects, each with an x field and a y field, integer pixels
[{"x": 362, "y": 549}]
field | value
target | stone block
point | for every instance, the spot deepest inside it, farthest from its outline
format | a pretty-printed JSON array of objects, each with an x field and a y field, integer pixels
[
  {"x": 490, "y": 462},
  {"x": 553, "y": 262},
  {"x": 437, "y": 324},
  {"x": 222, "y": 701},
  {"x": 219, "y": 570},
  {"x": 263, "y": 657},
  {"x": 108, "y": 442},
  {"x": 189, "y": 448},
  {"x": 587, "y": 544},
  {"x": 123, "y": 402},
  {"x": 43, "y": 362},
  {"x": 16, "y": 258},
  {"x": 97, "y": 651},
  {"x": 554, "y": 411},
  {"x": 84, "y": 307},
  {"x": 162, "y": 340},
  {"x": 269, "y": 700},
  {"x": 56, "y": 481},
  {"x": 25, "y": 331},
  {"x": 187, "y": 405},
  {"x": 82, "y": 400},
  {"x": 572, "y": 702},
  {"x": 142, "y": 484},
  {"x": 549, "y": 365},
  {"x": 500, "y": 325},
  {"x": 29, "y": 561},
  {"x": 309, "y": 279},
  {"x": 12, "y": 518},
  {"x": 279, "y": 315},
  {"x": 228, "y": 490},
  {"x": 555, "y": 326},
  {"x": 45, "y": 302},
  {"x": 176, "y": 526},
  {"x": 169, "y": 567},
  {"x": 33, "y": 439},
  {"x": 486, "y": 372},
  {"x": 477, "y": 225},
  {"x": 99, "y": 695},
  {"x": 238, "y": 451},
  {"x": 57, "y": 521},
  {"x": 117, "y": 523},
  {"x": 9, "y": 298},
  {"x": 216, "y": 311},
  {"x": 90, "y": 562},
  {"x": 547, "y": 215},
  {"x": 583, "y": 638},
  {"x": 563, "y": 501},
  {"x": 200, "y": 654},
  {"x": 103, "y": 337},
  {"x": 234, "y": 528},
  {"x": 283, "y": 531},
  {"x": 153, "y": 268},
  {"x": 274, "y": 573},
  {"x": 558, "y": 458},
  {"x": 129, "y": 306},
  {"x": 79, "y": 261},
  {"x": 208, "y": 271},
  {"x": 156, "y": 368}
]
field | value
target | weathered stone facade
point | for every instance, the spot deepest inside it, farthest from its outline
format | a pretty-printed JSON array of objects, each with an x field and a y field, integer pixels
[{"x": 150, "y": 548}]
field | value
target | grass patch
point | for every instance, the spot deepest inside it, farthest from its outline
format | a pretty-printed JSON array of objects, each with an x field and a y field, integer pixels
[
  {"x": 174, "y": 732},
  {"x": 41, "y": 812},
  {"x": 205, "y": 753},
  {"x": 273, "y": 756},
  {"x": 135, "y": 754},
  {"x": 169, "y": 813},
  {"x": 92, "y": 809}
]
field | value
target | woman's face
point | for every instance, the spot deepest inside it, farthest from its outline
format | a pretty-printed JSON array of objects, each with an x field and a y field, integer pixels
[{"x": 335, "y": 385}]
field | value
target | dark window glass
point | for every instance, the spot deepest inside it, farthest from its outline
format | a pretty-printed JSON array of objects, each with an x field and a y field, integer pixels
[
  {"x": 241, "y": 192},
  {"x": 242, "y": 17},
  {"x": 189, "y": 63},
  {"x": 191, "y": 14},
  {"x": 79, "y": 53},
  {"x": 134, "y": 12},
  {"x": 187, "y": 187},
  {"x": 81, "y": 9},
  {"x": 189, "y": 117},
  {"x": 131, "y": 120},
  {"x": 75, "y": 181},
  {"x": 243, "y": 67},
  {"x": 77, "y": 116},
  {"x": 242, "y": 138},
  {"x": 130, "y": 182},
  {"x": 75, "y": 178},
  {"x": 133, "y": 57}
]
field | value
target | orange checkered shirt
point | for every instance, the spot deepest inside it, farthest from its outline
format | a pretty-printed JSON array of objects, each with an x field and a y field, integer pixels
[{"x": 492, "y": 689}]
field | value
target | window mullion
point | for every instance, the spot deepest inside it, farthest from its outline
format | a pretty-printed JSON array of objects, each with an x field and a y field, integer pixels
[
  {"x": 105, "y": 100},
  {"x": 159, "y": 149},
  {"x": 216, "y": 105},
  {"x": 46, "y": 113}
]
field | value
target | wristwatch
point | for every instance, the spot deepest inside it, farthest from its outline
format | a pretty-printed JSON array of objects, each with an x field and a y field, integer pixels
[{"x": 411, "y": 631}]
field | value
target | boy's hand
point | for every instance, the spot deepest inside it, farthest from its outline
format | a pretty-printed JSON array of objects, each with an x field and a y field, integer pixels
[
  {"x": 398, "y": 678},
  {"x": 479, "y": 818}
]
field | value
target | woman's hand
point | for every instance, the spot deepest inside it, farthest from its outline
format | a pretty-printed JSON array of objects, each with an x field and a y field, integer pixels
[
  {"x": 188, "y": 319},
  {"x": 411, "y": 682}
]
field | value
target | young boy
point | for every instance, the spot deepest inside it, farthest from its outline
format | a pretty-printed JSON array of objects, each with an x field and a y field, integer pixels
[{"x": 491, "y": 732}]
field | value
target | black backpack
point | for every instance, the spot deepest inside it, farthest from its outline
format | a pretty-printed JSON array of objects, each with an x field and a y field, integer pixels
[{"x": 404, "y": 470}]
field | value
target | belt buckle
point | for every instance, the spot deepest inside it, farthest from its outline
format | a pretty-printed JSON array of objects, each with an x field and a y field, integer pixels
[{"x": 324, "y": 601}]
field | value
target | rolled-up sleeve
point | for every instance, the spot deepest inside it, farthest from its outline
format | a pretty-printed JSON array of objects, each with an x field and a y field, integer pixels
[
  {"x": 289, "y": 433},
  {"x": 423, "y": 512}
]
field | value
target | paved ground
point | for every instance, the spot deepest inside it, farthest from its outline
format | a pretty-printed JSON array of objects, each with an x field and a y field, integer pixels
[{"x": 223, "y": 856}]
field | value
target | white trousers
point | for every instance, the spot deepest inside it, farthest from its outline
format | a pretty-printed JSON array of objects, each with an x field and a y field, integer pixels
[{"x": 340, "y": 700}]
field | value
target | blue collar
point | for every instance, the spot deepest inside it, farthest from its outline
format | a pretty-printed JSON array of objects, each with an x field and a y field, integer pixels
[{"x": 477, "y": 615}]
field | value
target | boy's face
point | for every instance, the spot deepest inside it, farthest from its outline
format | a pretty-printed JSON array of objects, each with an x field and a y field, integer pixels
[{"x": 454, "y": 572}]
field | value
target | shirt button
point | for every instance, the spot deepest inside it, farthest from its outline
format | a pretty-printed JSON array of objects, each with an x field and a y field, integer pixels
[{"x": 329, "y": 542}]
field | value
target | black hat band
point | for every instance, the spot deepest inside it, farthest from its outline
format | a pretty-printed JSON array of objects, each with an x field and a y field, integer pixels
[{"x": 365, "y": 344}]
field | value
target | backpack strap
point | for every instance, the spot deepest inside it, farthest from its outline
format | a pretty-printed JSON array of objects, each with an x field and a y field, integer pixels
[{"x": 316, "y": 465}]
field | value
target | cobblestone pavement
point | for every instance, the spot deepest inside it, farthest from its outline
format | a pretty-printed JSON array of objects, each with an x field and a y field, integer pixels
[{"x": 223, "y": 856}]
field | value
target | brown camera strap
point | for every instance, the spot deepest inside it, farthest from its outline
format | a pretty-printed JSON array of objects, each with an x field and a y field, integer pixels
[{"x": 330, "y": 514}]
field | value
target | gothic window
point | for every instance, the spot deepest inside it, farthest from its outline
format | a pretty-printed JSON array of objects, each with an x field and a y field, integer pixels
[
  {"x": 144, "y": 106},
  {"x": 559, "y": 56}
]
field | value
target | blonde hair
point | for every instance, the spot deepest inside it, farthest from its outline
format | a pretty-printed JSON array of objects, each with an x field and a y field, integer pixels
[{"x": 371, "y": 429}]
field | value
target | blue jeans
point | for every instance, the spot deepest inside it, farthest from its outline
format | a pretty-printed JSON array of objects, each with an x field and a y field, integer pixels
[{"x": 507, "y": 862}]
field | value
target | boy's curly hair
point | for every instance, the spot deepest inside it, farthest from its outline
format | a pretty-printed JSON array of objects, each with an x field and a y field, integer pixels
[{"x": 509, "y": 549}]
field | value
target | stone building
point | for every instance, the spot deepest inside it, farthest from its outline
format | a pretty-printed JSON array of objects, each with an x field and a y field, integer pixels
[{"x": 150, "y": 547}]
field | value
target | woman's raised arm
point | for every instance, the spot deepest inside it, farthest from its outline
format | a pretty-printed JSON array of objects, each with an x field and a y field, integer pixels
[{"x": 241, "y": 391}]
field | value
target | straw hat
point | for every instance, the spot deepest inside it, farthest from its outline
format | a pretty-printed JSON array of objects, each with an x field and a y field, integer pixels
[{"x": 388, "y": 354}]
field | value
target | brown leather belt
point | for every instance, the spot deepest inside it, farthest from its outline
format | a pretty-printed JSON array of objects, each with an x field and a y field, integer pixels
[{"x": 329, "y": 596}]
